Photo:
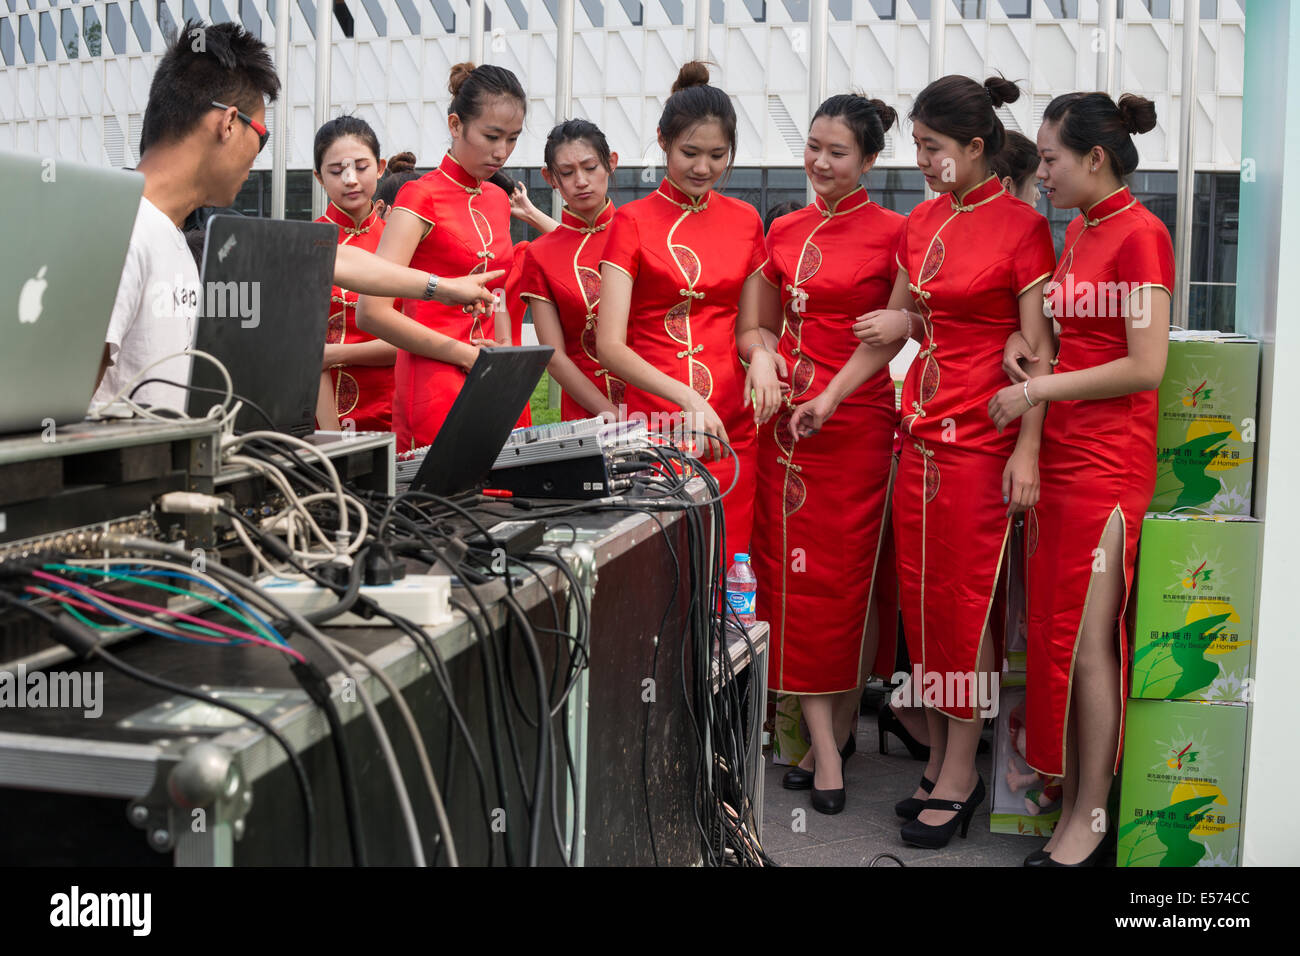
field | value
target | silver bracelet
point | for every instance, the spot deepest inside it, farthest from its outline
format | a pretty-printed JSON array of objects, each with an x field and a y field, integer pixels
[
  {"x": 431, "y": 288},
  {"x": 909, "y": 324},
  {"x": 1031, "y": 402}
]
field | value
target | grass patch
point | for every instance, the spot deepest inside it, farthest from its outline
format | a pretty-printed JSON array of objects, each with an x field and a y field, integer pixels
[{"x": 543, "y": 414}]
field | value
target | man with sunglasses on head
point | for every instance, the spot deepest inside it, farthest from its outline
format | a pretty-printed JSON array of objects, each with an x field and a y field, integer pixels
[{"x": 203, "y": 127}]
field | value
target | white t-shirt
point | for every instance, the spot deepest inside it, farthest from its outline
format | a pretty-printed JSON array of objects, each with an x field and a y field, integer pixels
[{"x": 155, "y": 312}]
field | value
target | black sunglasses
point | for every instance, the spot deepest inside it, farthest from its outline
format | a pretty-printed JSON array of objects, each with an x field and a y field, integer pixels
[{"x": 262, "y": 133}]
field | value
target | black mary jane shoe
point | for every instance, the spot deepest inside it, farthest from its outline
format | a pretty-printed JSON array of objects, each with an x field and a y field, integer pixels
[
  {"x": 909, "y": 809},
  {"x": 916, "y": 833},
  {"x": 887, "y": 722},
  {"x": 797, "y": 778},
  {"x": 1038, "y": 858}
]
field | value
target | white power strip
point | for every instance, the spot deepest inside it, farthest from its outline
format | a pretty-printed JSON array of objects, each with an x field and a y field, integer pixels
[{"x": 423, "y": 599}]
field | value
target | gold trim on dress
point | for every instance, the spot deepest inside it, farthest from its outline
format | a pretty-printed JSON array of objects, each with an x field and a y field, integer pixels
[
  {"x": 1045, "y": 275},
  {"x": 606, "y": 262}
]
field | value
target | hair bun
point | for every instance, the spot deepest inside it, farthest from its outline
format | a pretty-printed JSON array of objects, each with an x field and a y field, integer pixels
[
  {"x": 403, "y": 162},
  {"x": 888, "y": 115},
  {"x": 694, "y": 73},
  {"x": 459, "y": 74},
  {"x": 1001, "y": 90},
  {"x": 1137, "y": 113}
]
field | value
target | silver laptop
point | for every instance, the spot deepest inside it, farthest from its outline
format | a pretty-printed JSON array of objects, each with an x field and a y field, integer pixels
[{"x": 60, "y": 267}]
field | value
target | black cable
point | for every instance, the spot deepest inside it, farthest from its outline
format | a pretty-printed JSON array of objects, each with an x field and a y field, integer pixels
[{"x": 208, "y": 391}]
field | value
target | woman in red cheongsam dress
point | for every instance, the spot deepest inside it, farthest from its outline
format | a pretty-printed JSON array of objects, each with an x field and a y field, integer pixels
[
  {"x": 827, "y": 264},
  {"x": 679, "y": 298},
  {"x": 357, "y": 384},
  {"x": 561, "y": 270},
  {"x": 450, "y": 222},
  {"x": 972, "y": 263},
  {"x": 1110, "y": 294}
]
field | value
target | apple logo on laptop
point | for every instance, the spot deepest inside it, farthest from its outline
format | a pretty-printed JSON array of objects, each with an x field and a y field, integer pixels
[{"x": 29, "y": 300}]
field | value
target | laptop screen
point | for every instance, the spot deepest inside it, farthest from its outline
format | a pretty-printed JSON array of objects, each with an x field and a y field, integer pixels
[
  {"x": 265, "y": 311},
  {"x": 481, "y": 419}
]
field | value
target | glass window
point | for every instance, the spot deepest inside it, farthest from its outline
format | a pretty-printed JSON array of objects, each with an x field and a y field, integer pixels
[
  {"x": 377, "y": 17},
  {"x": 1159, "y": 9},
  {"x": 7, "y": 42},
  {"x": 1065, "y": 9},
  {"x": 140, "y": 24},
  {"x": 921, "y": 8},
  {"x": 798, "y": 10},
  {"x": 841, "y": 9},
  {"x": 251, "y": 18},
  {"x": 674, "y": 10},
  {"x": 412, "y": 16},
  {"x": 1018, "y": 9},
  {"x": 519, "y": 12},
  {"x": 1210, "y": 9},
  {"x": 595, "y": 11},
  {"x": 297, "y": 194},
  {"x": 13, "y": 5},
  {"x": 885, "y": 9},
  {"x": 92, "y": 30},
  {"x": 68, "y": 30},
  {"x": 218, "y": 10},
  {"x": 27, "y": 39},
  {"x": 116, "y": 27},
  {"x": 191, "y": 11},
  {"x": 166, "y": 23},
  {"x": 447, "y": 16},
  {"x": 757, "y": 10},
  {"x": 971, "y": 9},
  {"x": 308, "y": 10},
  {"x": 634, "y": 11},
  {"x": 342, "y": 16},
  {"x": 717, "y": 11}
]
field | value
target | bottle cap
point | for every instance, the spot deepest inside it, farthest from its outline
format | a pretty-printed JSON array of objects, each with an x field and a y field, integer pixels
[{"x": 742, "y": 558}]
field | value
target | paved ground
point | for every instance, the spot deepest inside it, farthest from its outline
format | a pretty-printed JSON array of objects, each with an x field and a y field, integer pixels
[{"x": 867, "y": 826}]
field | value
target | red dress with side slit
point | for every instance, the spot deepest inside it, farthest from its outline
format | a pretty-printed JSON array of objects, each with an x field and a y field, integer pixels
[
  {"x": 362, "y": 393},
  {"x": 469, "y": 232},
  {"x": 968, "y": 259},
  {"x": 563, "y": 268},
  {"x": 822, "y": 501},
  {"x": 688, "y": 260},
  {"x": 1098, "y": 458}
]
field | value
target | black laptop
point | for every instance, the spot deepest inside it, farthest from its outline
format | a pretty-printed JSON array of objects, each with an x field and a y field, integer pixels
[
  {"x": 265, "y": 310},
  {"x": 481, "y": 419}
]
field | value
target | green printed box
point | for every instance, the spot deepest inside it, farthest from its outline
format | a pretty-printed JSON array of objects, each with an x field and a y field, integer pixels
[
  {"x": 1180, "y": 796},
  {"x": 1205, "y": 434},
  {"x": 1194, "y": 625}
]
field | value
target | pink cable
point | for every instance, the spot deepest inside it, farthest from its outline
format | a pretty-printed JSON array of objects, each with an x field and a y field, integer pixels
[{"x": 140, "y": 605}]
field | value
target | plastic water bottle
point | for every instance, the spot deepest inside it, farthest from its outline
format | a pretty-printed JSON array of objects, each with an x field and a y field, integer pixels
[{"x": 742, "y": 590}]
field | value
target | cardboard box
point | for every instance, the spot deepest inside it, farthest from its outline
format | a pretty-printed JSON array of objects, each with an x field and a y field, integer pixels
[
  {"x": 1196, "y": 592},
  {"x": 1180, "y": 802},
  {"x": 1205, "y": 434},
  {"x": 790, "y": 741},
  {"x": 1023, "y": 801}
]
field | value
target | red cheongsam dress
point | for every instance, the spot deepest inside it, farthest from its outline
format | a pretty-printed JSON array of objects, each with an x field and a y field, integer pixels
[
  {"x": 1098, "y": 457},
  {"x": 469, "y": 232},
  {"x": 563, "y": 268},
  {"x": 968, "y": 259},
  {"x": 688, "y": 260},
  {"x": 362, "y": 393},
  {"x": 822, "y": 500},
  {"x": 515, "y": 308}
]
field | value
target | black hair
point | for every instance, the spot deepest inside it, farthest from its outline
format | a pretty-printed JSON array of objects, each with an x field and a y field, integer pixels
[
  {"x": 399, "y": 171},
  {"x": 693, "y": 101},
  {"x": 1094, "y": 119},
  {"x": 777, "y": 211},
  {"x": 339, "y": 127},
  {"x": 220, "y": 62},
  {"x": 577, "y": 129},
  {"x": 964, "y": 109},
  {"x": 471, "y": 85},
  {"x": 1018, "y": 160},
  {"x": 866, "y": 118}
]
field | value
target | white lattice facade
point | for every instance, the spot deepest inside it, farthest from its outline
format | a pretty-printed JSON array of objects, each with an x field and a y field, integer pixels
[{"x": 58, "y": 98}]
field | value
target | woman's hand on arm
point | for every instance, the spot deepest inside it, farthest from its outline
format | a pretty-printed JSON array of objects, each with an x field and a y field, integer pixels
[
  {"x": 1020, "y": 487},
  {"x": 771, "y": 323},
  {"x": 546, "y": 320},
  {"x": 375, "y": 313},
  {"x": 376, "y": 352},
  {"x": 894, "y": 324}
]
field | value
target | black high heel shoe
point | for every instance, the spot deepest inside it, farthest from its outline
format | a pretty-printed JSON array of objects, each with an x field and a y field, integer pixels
[
  {"x": 1096, "y": 858},
  {"x": 888, "y": 723},
  {"x": 909, "y": 808},
  {"x": 797, "y": 778},
  {"x": 916, "y": 833}
]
